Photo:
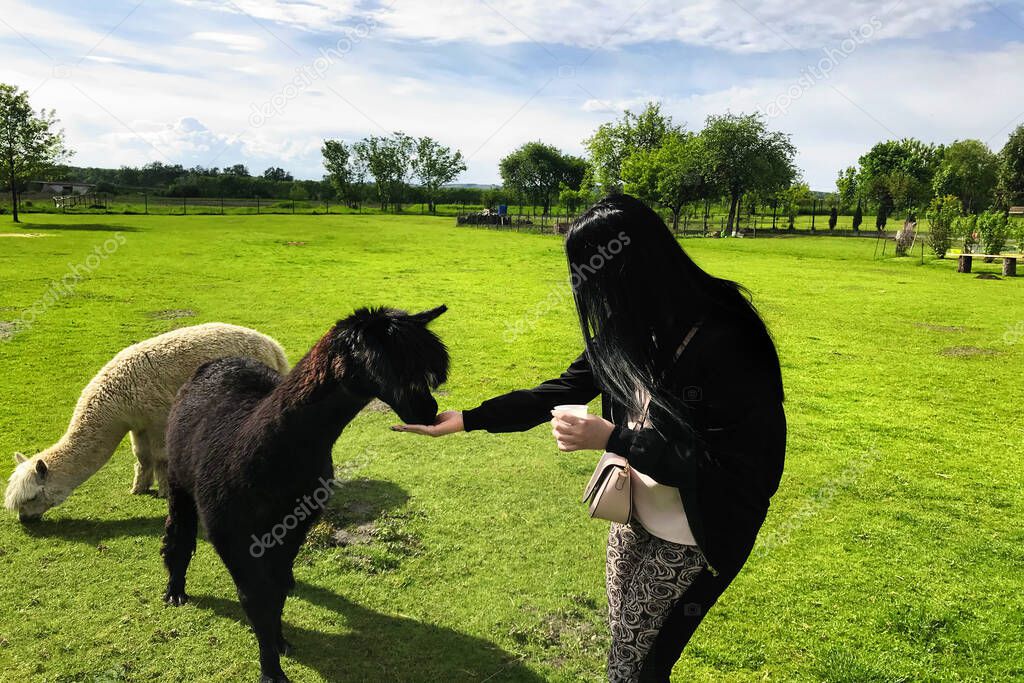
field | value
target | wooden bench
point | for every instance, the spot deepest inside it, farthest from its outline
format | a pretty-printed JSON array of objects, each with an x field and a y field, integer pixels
[{"x": 1009, "y": 262}]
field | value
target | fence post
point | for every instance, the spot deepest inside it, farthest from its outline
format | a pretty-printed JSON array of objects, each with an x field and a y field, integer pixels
[
  {"x": 257, "y": 205},
  {"x": 184, "y": 206},
  {"x": 327, "y": 205},
  {"x": 222, "y": 205},
  {"x": 293, "y": 206}
]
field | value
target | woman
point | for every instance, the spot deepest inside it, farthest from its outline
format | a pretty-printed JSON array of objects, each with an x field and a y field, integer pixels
[{"x": 692, "y": 397}]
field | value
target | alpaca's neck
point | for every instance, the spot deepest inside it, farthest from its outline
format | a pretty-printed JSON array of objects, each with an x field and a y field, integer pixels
[
  {"x": 313, "y": 403},
  {"x": 87, "y": 444}
]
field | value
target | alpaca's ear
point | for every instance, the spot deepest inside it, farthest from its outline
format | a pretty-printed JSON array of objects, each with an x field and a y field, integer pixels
[
  {"x": 20, "y": 458},
  {"x": 427, "y": 316},
  {"x": 41, "y": 469}
]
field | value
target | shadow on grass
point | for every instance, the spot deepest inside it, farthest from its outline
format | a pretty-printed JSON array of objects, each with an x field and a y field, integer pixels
[
  {"x": 94, "y": 531},
  {"x": 381, "y": 647},
  {"x": 85, "y": 227},
  {"x": 355, "y": 501}
]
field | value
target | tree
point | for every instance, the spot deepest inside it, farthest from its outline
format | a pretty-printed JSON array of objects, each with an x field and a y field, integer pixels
[
  {"x": 858, "y": 217},
  {"x": 743, "y": 155},
  {"x": 790, "y": 200},
  {"x": 537, "y": 171},
  {"x": 942, "y": 215},
  {"x": 1011, "y": 170},
  {"x": 833, "y": 218},
  {"x": 389, "y": 161},
  {"x": 239, "y": 170},
  {"x": 277, "y": 173},
  {"x": 435, "y": 165},
  {"x": 612, "y": 143},
  {"x": 29, "y": 143},
  {"x": 848, "y": 187},
  {"x": 898, "y": 174},
  {"x": 338, "y": 158},
  {"x": 672, "y": 175},
  {"x": 968, "y": 170}
]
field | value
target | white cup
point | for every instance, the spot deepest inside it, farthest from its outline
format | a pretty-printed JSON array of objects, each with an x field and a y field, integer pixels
[{"x": 579, "y": 411}]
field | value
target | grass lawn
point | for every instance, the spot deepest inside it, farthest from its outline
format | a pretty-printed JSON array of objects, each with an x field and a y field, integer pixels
[{"x": 893, "y": 550}]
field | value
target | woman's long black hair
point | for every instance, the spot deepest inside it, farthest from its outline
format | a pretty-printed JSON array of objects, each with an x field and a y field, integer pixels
[{"x": 638, "y": 294}]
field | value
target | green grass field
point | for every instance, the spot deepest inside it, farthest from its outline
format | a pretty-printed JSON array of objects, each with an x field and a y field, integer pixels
[{"x": 893, "y": 550}]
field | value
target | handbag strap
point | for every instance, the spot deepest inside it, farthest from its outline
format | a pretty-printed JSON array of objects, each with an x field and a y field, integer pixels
[{"x": 675, "y": 359}]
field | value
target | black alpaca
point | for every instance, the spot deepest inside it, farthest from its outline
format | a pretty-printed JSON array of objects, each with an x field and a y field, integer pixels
[{"x": 249, "y": 452}]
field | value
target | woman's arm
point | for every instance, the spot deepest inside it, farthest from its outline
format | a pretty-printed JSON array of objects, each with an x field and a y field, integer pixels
[
  {"x": 519, "y": 410},
  {"x": 524, "y": 409}
]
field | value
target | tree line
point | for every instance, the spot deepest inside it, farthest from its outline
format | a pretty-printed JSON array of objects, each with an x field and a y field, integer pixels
[{"x": 733, "y": 159}]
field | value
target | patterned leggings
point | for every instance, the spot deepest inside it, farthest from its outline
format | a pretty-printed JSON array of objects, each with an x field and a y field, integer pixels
[{"x": 646, "y": 576}]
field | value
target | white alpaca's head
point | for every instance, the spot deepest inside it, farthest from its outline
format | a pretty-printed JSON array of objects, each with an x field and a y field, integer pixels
[{"x": 31, "y": 490}]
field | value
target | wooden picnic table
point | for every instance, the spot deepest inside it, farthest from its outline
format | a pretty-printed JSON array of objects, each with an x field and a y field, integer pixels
[{"x": 965, "y": 261}]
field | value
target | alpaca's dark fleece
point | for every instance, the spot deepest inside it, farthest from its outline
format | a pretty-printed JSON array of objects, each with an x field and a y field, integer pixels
[{"x": 249, "y": 452}]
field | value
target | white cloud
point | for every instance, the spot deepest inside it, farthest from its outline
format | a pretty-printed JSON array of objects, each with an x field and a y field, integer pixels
[
  {"x": 231, "y": 41},
  {"x": 190, "y": 101},
  {"x": 313, "y": 15},
  {"x": 904, "y": 92},
  {"x": 726, "y": 25}
]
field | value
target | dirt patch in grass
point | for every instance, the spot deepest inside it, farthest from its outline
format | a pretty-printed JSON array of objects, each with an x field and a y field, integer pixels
[
  {"x": 940, "y": 328},
  {"x": 571, "y": 632},
  {"x": 377, "y": 406},
  {"x": 7, "y": 329},
  {"x": 22, "y": 234},
  {"x": 967, "y": 351},
  {"x": 365, "y": 527},
  {"x": 987, "y": 276},
  {"x": 171, "y": 314},
  {"x": 294, "y": 244}
]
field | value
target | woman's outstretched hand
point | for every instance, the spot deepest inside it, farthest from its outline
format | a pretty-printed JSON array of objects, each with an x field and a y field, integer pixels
[
  {"x": 448, "y": 422},
  {"x": 580, "y": 433}
]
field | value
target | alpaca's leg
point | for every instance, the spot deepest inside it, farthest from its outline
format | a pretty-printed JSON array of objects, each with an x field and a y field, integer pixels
[
  {"x": 179, "y": 543},
  {"x": 263, "y": 602},
  {"x": 159, "y": 451},
  {"x": 144, "y": 461}
]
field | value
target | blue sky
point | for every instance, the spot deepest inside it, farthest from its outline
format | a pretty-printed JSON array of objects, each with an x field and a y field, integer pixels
[{"x": 263, "y": 83}]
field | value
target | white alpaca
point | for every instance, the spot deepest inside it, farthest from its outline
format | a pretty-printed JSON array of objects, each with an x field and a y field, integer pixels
[{"x": 132, "y": 393}]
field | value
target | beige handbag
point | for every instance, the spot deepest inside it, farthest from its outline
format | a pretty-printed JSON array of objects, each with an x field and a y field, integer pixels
[{"x": 609, "y": 491}]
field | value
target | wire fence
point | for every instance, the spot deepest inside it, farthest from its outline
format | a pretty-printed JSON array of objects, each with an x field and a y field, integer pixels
[
  {"x": 145, "y": 204},
  {"x": 714, "y": 225}
]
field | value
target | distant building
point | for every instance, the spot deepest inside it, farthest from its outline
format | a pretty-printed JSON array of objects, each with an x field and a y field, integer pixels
[{"x": 63, "y": 187}]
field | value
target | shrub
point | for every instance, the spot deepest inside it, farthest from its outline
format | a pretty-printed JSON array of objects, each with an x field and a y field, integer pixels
[
  {"x": 833, "y": 218},
  {"x": 881, "y": 217},
  {"x": 858, "y": 218},
  {"x": 943, "y": 212},
  {"x": 992, "y": 231},
  {"x": 964, "y": 229},
  {"x": 1016, "y": 229}
]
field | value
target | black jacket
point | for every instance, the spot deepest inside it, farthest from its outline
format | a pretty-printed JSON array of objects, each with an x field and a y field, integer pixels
[{"x": 730, "y": 379}]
